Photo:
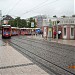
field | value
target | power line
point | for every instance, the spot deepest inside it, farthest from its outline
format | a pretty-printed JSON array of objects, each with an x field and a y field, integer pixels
[
  {"x": 32, "y": 8},
  {"x": 14, "y": 6},
  {"x": 38, "y": 7},
  {"x": 47, "y": 9},
  {"x": 54, "y": 11},
  {"x": 5, "y": 9},
  {"x": 35, "y": 8}
]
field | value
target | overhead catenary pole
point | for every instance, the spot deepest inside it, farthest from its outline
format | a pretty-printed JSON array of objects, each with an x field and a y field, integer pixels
[
  {"x": 17, "y": 23},
  {"x": 57, "y": 31},
  {"x": 0, "y": 17}
]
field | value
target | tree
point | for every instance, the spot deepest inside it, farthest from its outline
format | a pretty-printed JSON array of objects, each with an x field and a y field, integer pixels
[
  {"x": 73, "y": 15},
  {"x": 23, "y": 23},
  {"x": 17, "y": 22},
  {"x": 31, "y": 20},
  {"x": 55, "y": 16},
  {"x": 11, "y": 22},
  {"x": 63, "y": 16}
]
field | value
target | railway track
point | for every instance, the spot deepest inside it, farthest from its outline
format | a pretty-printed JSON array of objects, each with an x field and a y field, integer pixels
[
  {"x": 50, "y": 51},
  {"x": 56, "y": 48},
  {"x": 51, "y": 66},
  {"x": 67, "y": 47}
]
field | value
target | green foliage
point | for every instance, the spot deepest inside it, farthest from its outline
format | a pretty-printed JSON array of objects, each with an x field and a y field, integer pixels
[
  {"x": 29, "y": 22},
  {"x": 63, "y": 16},
  {"x": 73, "y": 15},
  {"x": 17, "y": 22},
  {"x": 55, "y": 16}
]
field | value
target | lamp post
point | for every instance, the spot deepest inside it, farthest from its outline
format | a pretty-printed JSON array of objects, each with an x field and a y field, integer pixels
[{"x": 57, "y": 29}]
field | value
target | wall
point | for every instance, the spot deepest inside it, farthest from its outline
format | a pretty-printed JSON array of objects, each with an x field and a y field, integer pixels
[
  {"x": 45, "y": 31},
  {"x": 68, "y": 32},
  {"x": 74, "y": 32}
]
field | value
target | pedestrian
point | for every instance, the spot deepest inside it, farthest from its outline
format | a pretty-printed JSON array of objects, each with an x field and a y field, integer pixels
[
  {"x": 59, "y": 34},
  {"x": 55, "y": 34}
]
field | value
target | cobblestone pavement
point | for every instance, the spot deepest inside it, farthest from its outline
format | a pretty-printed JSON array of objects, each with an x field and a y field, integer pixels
[
  {"x": 55, "y": 57},
  {"x": 14, "y": 63}
]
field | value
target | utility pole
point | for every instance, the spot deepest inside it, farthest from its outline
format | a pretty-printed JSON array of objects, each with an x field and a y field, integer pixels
[
  {"x": 0, "y": 17},
  {"x": 50, "y": 29},
  {"x": 17, "y": 23},
  {"x": 57, "y": 29}
]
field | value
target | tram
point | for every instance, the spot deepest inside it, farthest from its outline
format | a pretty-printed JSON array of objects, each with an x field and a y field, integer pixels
[
  {"x": 15, "y": 31},
  {"x": 29, "y": 31},
  {"x": 6, "y": 31}
]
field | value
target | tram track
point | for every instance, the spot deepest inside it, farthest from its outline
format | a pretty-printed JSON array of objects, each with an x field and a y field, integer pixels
[
  {"x": 67, "y": 47},
  {"x": 50, "y": 51},
  {"x": 29, "y": 53},
  {"x": 52, "y": 45}
]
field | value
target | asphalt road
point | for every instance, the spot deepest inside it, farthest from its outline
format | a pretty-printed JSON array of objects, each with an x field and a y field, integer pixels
[{"x": 52, "y": 57}]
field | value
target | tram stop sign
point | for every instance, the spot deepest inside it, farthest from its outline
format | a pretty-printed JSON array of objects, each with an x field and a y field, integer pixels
[{"x": 32, "y": 24}]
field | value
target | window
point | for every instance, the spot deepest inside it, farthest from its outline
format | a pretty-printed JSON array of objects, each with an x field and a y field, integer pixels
[
  {"x": 72, "y": 31},
  {"x": 72, "y": 21},
  {"x": 64, "y": 31}
]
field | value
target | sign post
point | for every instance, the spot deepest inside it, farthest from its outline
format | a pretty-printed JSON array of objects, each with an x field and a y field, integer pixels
[{"x": 32, "y": 24}]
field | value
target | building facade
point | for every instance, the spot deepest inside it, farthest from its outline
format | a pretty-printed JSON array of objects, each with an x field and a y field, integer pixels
[
  {"x": 39, "y": 20},
  {"x": 68, "y": 27},
  {"x": 0, "y": 16},
  {"x": 65, "y": 29}
]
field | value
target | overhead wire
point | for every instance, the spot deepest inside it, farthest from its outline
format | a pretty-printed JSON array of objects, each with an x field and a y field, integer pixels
[
  {"x": 13, "y": 6},
  {"x": 5, "y": 10},
  {"x": 48, "y": 9},
  {"x": 33, "y": 7},
  {"x": 41, "y": 5},
  {"x": 38, "y": 8},
  {"x": 18, "y": 3}
]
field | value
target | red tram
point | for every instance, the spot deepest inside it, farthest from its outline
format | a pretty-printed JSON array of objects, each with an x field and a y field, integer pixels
[
  {"x": 15, "y": 31},
  {"x": 6, "y": 31}
]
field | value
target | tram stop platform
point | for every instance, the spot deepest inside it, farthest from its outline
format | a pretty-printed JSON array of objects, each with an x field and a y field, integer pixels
[{"x": 14, "y": 63}]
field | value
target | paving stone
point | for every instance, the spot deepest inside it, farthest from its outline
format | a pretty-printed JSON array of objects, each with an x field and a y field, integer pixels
[{"x": 14, "y": 63}]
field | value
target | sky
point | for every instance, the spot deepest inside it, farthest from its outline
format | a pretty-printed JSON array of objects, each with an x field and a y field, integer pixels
[{"x": 30, "y": 8}]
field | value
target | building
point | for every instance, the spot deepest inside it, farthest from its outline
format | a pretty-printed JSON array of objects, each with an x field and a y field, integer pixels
[
  {"x": 68, "y": 27},
  {"x": 55, "y": 27},
  {"x": 39, "y": 20},
  {"x": 65, "y": 28},
  {"x": 0, "y": 16}
]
